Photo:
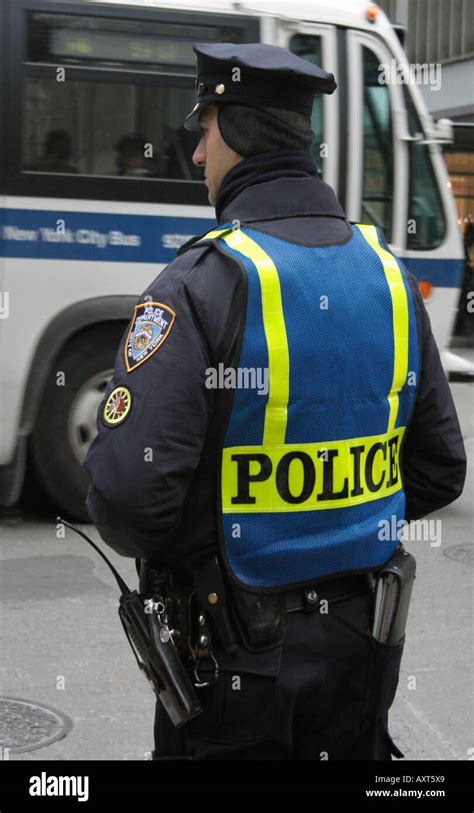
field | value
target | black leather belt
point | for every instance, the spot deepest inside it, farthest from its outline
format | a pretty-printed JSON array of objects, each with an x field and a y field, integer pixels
[{"x": 308, "y": 598}]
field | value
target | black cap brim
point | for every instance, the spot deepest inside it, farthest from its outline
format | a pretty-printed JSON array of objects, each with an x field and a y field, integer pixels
[{"x": 191, "y": 122}]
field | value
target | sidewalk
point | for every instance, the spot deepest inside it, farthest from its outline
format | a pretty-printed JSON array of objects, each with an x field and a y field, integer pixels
[{"x": 59, "y": 620}]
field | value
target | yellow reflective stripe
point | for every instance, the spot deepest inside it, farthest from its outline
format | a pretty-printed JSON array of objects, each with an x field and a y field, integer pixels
[
  {"x": 399, "y": 319},
  {"x": 210, "y": 235},
  {"x": 276, "y": 411},
  {"x": 335, "y": 474}
]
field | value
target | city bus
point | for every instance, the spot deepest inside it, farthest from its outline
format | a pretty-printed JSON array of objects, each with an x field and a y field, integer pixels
[{"x": 88, "y": 217}]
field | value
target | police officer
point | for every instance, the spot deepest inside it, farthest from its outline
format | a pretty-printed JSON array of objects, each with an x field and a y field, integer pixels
[{"x": 277, "y": 396}]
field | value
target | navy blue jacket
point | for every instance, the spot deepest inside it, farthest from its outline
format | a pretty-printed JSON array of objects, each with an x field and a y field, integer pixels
[{"x": 166, "y": 509}]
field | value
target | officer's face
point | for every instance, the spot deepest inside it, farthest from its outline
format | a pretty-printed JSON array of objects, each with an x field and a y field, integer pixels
[{"x": 213, "y": 153}]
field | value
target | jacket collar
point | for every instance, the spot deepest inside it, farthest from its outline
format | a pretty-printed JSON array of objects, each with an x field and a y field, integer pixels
[{"x": 283, "y": 198}]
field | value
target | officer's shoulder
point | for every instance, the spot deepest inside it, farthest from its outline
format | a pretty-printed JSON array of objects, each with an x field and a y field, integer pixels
[
  {"x": 172, "y": 276},
  {"x": 215, "y": 284},
  {"x": 206, "y": 239},
  {"x": 204, "y": 260},
  {"x": 214, "y": 274},
  {"x": 205, "y": 280},
  {"x": 197, "y": 265}
]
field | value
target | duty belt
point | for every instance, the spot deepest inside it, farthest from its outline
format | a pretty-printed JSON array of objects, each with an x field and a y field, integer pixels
[
  {"x": 308, "y": 598},
  {"x": 226, "y": 609}
]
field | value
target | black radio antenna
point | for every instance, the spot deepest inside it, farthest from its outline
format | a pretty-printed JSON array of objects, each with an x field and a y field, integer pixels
[{"x": 124, "y": 589}]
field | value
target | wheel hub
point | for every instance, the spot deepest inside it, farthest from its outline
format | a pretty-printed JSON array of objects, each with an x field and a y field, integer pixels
[{"x": 82, "y": 420}]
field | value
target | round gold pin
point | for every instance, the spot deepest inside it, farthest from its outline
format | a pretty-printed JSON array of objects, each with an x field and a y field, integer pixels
[
  {"x": 220, "y": 89},
  {"x": 117, "y": 406}
]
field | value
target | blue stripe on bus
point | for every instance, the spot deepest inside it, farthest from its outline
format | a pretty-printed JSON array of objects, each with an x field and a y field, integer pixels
[
  {"x": 94, "y": 236},
  {"x": 132, "y": 238},
  {"x": 441, "y": 273}
]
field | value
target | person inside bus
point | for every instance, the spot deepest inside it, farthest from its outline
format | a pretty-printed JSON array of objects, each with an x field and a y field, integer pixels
[
  {"x": 57, "y": 151},
  {"x": 131, "y": 159}
]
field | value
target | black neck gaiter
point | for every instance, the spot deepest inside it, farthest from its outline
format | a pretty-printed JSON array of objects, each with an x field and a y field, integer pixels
[{"x": 267, "y": 166}]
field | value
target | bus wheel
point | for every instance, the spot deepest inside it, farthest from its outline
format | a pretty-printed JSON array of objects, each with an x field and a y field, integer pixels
[{"x": 66, "y": 423}]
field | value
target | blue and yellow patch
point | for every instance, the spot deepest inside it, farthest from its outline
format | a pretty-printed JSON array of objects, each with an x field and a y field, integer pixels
[
  {"x": 117, "y": 406},
  {"x": 151, "y": 325}
]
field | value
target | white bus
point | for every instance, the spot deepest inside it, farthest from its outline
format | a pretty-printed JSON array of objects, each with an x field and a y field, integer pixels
[{"x": 87, "y": 221}]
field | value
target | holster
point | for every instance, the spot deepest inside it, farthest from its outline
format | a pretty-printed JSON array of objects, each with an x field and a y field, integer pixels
[
  {"x": 258, "y": 618},
  {"x": 160, "y": 661}
]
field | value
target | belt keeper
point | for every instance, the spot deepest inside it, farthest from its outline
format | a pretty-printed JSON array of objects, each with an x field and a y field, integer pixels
[{"x": 311, "y": 600}]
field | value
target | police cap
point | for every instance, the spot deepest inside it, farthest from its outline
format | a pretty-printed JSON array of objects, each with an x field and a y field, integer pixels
[{"x": 255, "y": 75}]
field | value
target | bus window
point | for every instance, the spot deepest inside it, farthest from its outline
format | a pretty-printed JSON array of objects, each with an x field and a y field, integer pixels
[
  {"x": 104, "y": 128},
  {"x": 126, "y": 88},
  {"x": 309, "y": 47},
  {"x": 425, "y": 211},
  {"x": 377, "y": 193}
]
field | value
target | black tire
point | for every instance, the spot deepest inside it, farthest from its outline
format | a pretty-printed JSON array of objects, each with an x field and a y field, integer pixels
[{"x": 55, "y": 463}]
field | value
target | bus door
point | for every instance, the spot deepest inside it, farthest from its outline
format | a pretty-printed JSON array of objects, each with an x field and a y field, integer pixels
[
  {"x": 396, "y": 177},
  {"x": 377, "y": 181}
]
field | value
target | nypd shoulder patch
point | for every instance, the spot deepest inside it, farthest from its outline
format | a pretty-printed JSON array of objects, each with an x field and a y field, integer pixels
[{"x": 151, "y": 325}]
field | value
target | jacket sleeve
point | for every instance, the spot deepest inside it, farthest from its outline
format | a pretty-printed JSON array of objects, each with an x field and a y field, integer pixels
[
  {"x": 141, "y": 468},
  {"x": 433, "y": 458}
]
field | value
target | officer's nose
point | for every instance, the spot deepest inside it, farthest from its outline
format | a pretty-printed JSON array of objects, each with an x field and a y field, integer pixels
[{"x": 199, "y": 156}]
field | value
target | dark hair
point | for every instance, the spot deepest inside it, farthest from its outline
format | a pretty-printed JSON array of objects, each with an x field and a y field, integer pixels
[
  {"x": 131, "y": 144},
  {"x": 58, "y": 144}
]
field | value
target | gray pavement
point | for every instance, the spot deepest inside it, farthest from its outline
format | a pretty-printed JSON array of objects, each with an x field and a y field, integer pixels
[{"x": 63, "y": 644}]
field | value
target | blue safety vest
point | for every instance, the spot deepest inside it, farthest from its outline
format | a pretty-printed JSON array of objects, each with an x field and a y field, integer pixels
[{"x": 324, "y": 390}]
